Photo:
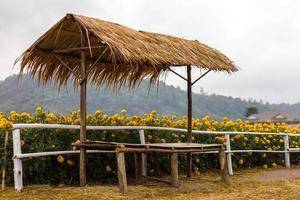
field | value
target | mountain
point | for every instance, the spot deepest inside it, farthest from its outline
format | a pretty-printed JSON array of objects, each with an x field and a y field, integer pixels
[{"x": 25, "y": 95}]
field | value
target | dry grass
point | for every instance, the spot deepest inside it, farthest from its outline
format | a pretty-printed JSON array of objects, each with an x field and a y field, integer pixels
[
  {"x": 117, "y": 55},
  {"x": 244, "y": 185}
]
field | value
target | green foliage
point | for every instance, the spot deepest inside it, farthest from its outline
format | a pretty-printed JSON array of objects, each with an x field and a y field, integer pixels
[{"x": 251, "y": 111}]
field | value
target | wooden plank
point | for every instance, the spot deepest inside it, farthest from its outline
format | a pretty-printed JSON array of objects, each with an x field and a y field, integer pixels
[
  {"x": 223, "y": 166},
  {"x": 138, "y": 167},
  {"x": 158, "y": 180},
  {"x": 121, "y": 172},
  {"x": 174, "y": 170},
  {"x": 144, "y": 149}
]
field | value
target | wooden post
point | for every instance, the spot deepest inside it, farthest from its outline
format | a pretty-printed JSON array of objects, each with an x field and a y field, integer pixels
[
  {"x": 174, "y": 169},
  {"x": 83, "y": 114},
  {"x": 223, "y": 166},
  {"x": 229, "y": 159},
  {"x": 138, "y": 166},
  {"x": 121, "y": 172},
  {"x": 18, "y": 171},
  {"x": 287, "y": 153},
  {"x": 189, "y": 122},
  {"x": 4, "y": 160},
  {"x": 144, "y": 155}
]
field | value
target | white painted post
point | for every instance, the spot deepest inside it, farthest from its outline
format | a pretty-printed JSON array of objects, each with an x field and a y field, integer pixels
[
  {"x": 18, "y": 172},
  {"x": 287, "y": 153},
  {"x": 144, "y": 156},
  {"x": 229, "y": 159}
]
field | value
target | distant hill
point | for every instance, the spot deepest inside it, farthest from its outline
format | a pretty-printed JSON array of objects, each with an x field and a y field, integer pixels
[{"x": 26, "y": 95}]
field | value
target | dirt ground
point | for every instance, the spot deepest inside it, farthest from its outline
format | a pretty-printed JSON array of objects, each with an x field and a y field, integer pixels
[
  {"x": 280, "y": 174},
  {"x": 254, "y": 184}
]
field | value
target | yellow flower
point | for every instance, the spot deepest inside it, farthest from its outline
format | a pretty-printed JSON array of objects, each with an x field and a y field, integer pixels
[
  {"x": 60, "y": 159},
  {"x": 162, "y": 140},
  {"x": 77, "y": 142},
  {"x": 241, "y": 161},
  {"x": 264, "y": 155},
  {"x": 70, "y": 162},
  {"x": 38, "y": 109},
  {"x": 108, "y": 168},
  {"x": 123, "y": 111},
  {"x": 265, "y": 166},
  {"x": 22, "y": 142},
  {"x": 274, "y": 164}
]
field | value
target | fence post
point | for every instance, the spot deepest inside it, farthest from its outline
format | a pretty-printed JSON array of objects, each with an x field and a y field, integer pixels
[
  {"x": 229, "y": 159},
  {"x": 18, "y": 172},
  {"x": 287, "y": 153},
  {"x": 144, "y": 156}
]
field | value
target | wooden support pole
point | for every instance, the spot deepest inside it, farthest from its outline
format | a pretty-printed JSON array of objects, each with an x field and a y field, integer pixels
[
  {"x": 229, "y": 158},
  {"x": 223, "y": 166},
  {"x": 18, "y": 170},
  {"x": 144, "y": 155},
  {"x": 138, "y": 167},
  {"x": 83, "y": 115},
  {"x": 287, "y": 153},
  {"x": 174, "y": 169},
  {"x": 189, "y": 122},
  {"x": 122, "y": 172}
]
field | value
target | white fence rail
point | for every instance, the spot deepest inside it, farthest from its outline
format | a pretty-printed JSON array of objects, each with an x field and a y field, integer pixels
[{"x": 18, "y": 155}]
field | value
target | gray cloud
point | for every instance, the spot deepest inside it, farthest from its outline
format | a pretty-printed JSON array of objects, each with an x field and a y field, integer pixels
[{"x": 261, "y": 36}]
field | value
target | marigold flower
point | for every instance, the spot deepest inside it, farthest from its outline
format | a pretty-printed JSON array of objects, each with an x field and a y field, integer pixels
[
  {"x": 108, "y": 168},
  {"x": 241, "y": 161},
  {"x": 70, "y": 162},
  {"x": 60, "y": 159}
]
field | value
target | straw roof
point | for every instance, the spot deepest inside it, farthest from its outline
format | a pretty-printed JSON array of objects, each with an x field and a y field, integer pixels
[{"x": 116, "y": 54}]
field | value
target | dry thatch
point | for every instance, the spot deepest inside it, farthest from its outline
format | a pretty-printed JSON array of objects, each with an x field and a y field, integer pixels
[{"x": 117, "y": 55}]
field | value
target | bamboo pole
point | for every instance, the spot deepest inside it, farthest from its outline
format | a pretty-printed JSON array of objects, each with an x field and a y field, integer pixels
[
  {"x": 83, "y": 83},
  {"x": 189, "y": 122},
  {"x": 4, "y": 160}
]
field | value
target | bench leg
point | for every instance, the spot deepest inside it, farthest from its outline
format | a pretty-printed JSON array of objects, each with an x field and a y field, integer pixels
[
  {"x": 189, "y": 165},
  {"x": 174, "y": 169},
  {"x": 223, "y": 166},
  {"x": 138, "y": 166},
  {"x": 122, "y": 173}
]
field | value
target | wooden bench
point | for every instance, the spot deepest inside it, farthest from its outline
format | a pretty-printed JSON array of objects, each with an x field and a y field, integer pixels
[{"x": 138, "y": 149}]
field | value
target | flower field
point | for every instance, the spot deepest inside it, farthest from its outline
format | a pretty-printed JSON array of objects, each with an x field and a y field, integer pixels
[{"x": 63, "y": 169}]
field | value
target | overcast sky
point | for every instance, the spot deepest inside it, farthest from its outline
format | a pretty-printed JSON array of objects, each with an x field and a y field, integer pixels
[{"x": 262, "y": 37}]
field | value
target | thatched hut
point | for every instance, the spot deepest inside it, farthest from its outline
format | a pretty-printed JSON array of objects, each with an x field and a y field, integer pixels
[{"x": 88, "y": 50}]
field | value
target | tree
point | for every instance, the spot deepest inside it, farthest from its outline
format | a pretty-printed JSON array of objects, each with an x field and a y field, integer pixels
[{"x": 251, "y": 111}]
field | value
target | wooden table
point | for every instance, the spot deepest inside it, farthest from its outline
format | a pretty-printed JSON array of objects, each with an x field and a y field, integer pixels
[{"x": 138, "y": 149}]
